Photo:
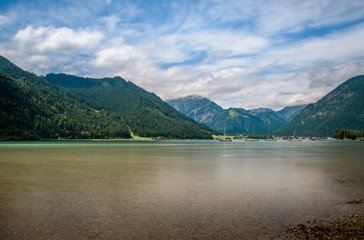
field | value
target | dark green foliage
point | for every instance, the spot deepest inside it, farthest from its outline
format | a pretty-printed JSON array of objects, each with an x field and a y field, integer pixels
[
  {"x": 32, "y": 108},
  {"x": 350, "y": 134},
  {"x": 269, "y": 117},
  {"x": 143, "y": 112},
  {"x": 239, "y": 121},
  {"x": 342, "y": 108},
  {"x": 17, "y": 113}
]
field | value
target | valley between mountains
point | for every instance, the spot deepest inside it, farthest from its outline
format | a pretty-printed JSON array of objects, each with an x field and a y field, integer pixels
[{"x": 61, "y": 106}]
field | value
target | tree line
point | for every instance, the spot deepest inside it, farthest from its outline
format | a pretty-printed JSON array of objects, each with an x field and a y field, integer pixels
[
  {"x": 348, "y": 134},
  {"x": 33, "y": 108}
]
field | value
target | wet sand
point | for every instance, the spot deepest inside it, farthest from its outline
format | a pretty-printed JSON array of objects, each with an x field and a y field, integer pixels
[{"x": 178, "y": 191}]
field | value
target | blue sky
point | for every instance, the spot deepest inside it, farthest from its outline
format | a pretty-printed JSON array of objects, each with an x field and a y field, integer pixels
[{"x": 237, "y": 53}]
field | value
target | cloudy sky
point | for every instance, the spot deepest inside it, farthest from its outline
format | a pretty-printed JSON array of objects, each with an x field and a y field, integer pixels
[{"x": 238, "y": 53}]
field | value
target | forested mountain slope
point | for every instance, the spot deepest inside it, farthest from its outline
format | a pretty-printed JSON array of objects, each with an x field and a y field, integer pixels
[
  {"x": 342, "y": 108},
  {"x": 270, "y": 117},
  {"x": 32, "y": 108},
  {"x": 238, "y": 120},
  {"x": 143, "y": 112}
]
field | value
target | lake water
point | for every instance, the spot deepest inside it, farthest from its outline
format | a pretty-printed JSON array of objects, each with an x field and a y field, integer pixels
[{"x": 174, "y": 189}]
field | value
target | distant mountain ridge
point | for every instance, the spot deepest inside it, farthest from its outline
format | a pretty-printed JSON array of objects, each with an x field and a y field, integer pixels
[
  {"x": 196, "y": 107},
  {"x": 232, "y": 120},
  {"x": 288, "y": 113},
  {"x": 33, "y": 108},
  {"x": 342, "y": 108},
  {"x": 70, "y": 107}
]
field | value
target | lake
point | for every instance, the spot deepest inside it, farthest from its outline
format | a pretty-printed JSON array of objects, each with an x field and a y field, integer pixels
[{"x": 174, "y": 189}]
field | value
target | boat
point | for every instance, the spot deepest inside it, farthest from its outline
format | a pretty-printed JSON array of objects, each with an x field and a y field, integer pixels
[{"x": 225, "y": 140}]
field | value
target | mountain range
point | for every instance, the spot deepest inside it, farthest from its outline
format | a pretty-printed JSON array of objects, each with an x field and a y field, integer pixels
[
  {"x": 62, "y": 106},
  {"x": 68, "y": 107},
  {"x": 342, "y": 108},
  {"x": 234, "y": 120},
  {"x": 143, "y": 112}
]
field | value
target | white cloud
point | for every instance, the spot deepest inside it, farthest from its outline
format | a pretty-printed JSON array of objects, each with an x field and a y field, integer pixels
[
  {"x": 273, "y": 17},
  {"x": 39, "y": 64},
  {"x": 41, "y": 49},
  {"x": 223, "y": 11},
  {"x": 119, "y": 58},
  {"x": 286, "y": 89},
  {"x": 277, "y": 17},
  {"x": 295, "y": 77},
  {"x": 234, "y": 43},
  {"x": 4, "y": 21},
  {"x": 336, "y": 47},
  {"x": 41, "y": 61},
  {"x": 167, "y": 49},
  {"x": 234, "y": 52},
  {"x": 111, "y": 21},
  {"x": 132, "y": 63},
  {"x": 57, "y": 40}
]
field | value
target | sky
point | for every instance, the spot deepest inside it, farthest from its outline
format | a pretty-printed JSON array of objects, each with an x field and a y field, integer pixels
[{"x": 238, "y": 53}]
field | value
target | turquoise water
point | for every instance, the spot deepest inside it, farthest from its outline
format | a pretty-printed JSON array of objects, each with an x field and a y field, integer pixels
[{"x": 174, "y": 189}]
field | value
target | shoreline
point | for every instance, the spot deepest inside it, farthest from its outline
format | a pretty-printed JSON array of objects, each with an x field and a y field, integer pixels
[{"x": 345, "y": 227}]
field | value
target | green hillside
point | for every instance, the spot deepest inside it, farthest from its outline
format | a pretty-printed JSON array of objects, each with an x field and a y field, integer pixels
[
  {"x": 143, "y": 112},
  {"x": 238, "y": 120},
  {"x": 32, "y": 108},
  {"x": 269, "y": 117},
  {"x": 342, "y": 108}
]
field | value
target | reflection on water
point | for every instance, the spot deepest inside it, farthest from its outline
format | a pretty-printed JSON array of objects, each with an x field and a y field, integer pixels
[{"x": 173, "y": 190}]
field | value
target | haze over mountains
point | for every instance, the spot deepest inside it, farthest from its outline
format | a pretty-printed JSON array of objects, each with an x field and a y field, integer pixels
[{"x": 234, "y": 120}]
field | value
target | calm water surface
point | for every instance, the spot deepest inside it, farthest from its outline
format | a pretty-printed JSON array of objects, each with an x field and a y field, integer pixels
[{"x": 174, "y": 190}]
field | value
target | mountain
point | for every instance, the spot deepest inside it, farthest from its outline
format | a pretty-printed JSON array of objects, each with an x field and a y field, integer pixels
[
  {"x": 288, "y": 113},
  {"x": 199, "y": 108},
  {"x": 143, "y": 112},
  {"x": 32, "y": 108},
  {"x": 268, "y": 116},
  {"x": 233, "y": 120},
  {"x": 238, "y": 120},
  {"x": 342, "y": 108}
]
